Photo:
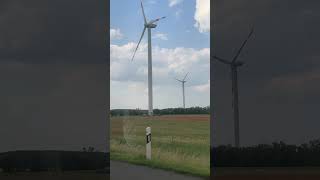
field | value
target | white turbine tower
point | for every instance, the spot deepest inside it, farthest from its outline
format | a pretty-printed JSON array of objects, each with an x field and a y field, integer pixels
[
  {"x": 183, "y": 95},
  {"x": 148, "y": 25}
]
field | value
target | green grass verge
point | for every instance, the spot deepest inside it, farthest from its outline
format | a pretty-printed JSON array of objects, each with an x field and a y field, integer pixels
[{"x": 177, "y": 145}]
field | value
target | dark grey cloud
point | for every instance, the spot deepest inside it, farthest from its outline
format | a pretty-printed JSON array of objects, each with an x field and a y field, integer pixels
[
  {"x": 53, "y": 74},
  {"x": 53, "y": 107},
  {"x": 279, "y": 85},
  {"x": 47, "y": 31}
]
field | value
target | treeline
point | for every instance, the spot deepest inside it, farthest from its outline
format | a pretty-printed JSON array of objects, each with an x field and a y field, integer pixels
[
  {"x": 57, "y": 160},
  {"x": 167, "y": 111},
  {"x": 277, "y": 154},
  {"x": 128, "y": 112},
  {"x": 191, "y": 110}
]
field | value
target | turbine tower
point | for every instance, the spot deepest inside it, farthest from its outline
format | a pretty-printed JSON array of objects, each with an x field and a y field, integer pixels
[
  {"x": 148, "y": 25},
  {"x": 183, "y": 95},
  {"x": 234, "y": 64}
]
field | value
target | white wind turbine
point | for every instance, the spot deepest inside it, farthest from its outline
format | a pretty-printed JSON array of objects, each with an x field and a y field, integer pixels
[
  {"x": 183, "y": 95},
  {"x": 148, "y": 25}
]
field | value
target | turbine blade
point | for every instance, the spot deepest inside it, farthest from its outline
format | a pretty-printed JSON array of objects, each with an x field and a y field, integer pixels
[
  {"x": 185, "y": 76},
  {"x": 222, "y": 60},
  {"x": 158, "y": 19},
  {"x": 242, "y": 46},
  {"x": 144, "y": 16},
  {"x": 178, "y": 79},
  {"x": 144, "y": 29}
]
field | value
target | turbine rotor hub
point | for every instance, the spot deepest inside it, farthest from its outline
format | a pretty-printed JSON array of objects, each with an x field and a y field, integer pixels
[
  {"x": 238, "y": 63},
  {"x": 150, "y": 25}
]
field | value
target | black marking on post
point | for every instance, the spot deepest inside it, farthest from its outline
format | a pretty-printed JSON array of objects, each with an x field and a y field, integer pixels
[{"x": 148, "y": 138}]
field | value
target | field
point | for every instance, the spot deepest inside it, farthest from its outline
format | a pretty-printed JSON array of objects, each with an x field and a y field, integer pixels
[
  {"x": 52, "y": 176},
  {"x": 179, "y": 142}
]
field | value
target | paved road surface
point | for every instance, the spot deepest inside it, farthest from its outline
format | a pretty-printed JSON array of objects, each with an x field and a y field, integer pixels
[{"x": 124, "y": 171}]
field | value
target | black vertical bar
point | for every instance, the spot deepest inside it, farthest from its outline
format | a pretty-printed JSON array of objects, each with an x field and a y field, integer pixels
[
  {"x": 212, "y": 114},
  {"x": 107, "y": 34}
]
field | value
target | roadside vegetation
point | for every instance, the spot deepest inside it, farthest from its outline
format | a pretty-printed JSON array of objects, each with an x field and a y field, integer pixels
[
  {"x": 277, "y": 154},
  {"x": 179, "y": 142}
]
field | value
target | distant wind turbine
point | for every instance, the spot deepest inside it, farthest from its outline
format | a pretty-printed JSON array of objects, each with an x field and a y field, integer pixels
[
  {"x": 234, "y": 64},
  {"x": 183, "y": 95},
  {"x": 148, "y": 25}
]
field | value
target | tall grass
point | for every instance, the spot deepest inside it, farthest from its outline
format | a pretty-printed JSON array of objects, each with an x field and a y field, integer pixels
[{"x": 179, "y": 145}]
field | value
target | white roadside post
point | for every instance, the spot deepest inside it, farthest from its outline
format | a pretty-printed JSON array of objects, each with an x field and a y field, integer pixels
[{"x": 148, "y": 143}]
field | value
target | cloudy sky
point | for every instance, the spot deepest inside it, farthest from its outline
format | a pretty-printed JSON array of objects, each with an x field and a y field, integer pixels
[
  {"x": 53, "y": 74},
  {"x": 279, "y": 84},
  {"x": 53, "y": 68},
  {"x": 180, "y": 45}
]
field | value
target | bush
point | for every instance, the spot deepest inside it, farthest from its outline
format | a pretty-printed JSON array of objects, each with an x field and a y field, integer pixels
[{"x": 277, "y": 154}]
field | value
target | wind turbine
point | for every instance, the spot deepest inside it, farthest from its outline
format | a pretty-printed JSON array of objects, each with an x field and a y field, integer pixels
[
  {"x": 148, "y": 25},
  {"x": 183, "y": 95},
  {"x": 234, "y": 64}
]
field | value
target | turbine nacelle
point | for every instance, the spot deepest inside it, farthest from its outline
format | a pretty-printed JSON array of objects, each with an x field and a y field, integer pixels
[
  {"x": 147, "y": 25},
  {"x": 234, "y": 61},
  {"x": 150, "y": 25},
  {"x": 184, "y": 79},
  {"x": 238, "y": 63},
  {"x": 234, "y": 64},
  {"x": 181, "y": 81}
]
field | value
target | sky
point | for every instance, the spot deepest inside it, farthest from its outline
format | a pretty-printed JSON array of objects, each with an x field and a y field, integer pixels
[
  {"x": 54, "y": 80},
  {"x": 53, "y": 75},
  {"x": 181, "y": 44},
  {"x": 279, "y": 84}
]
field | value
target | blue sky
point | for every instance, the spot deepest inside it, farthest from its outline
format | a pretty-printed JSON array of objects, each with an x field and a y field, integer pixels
[
  {"x": 180, "y": 45},
  {"x": 178, "y": 25}
]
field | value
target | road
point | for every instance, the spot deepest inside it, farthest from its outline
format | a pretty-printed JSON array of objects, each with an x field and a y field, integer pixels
[{"x": 124, "y": 171}]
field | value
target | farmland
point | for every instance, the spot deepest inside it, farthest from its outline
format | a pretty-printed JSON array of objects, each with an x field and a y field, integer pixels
[{"x": 179, "y": 142}]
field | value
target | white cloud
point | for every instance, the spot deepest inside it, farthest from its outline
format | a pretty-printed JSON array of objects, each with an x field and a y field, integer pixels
[
  {"x": 129, "y": 87},
  {"x": 166, "y": 62},
  {"x": 138, "y": 87},
  {"x": 174, "y": 2},
  {"x": 178, "y": 13},
  {"x": 127, "y": 94},
  {"x": 161, "y": 36},
  {"x": 115, "y": 34},
  {"x": 202, "y": 15},
  {"x": 203, "y": 87}
]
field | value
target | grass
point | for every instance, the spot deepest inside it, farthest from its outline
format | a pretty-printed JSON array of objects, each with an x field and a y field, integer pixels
[{"x": 179, "y": 143}]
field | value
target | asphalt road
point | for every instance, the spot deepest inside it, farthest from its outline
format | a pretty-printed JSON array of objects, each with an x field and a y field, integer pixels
[{"x": 124, "y": 171}]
